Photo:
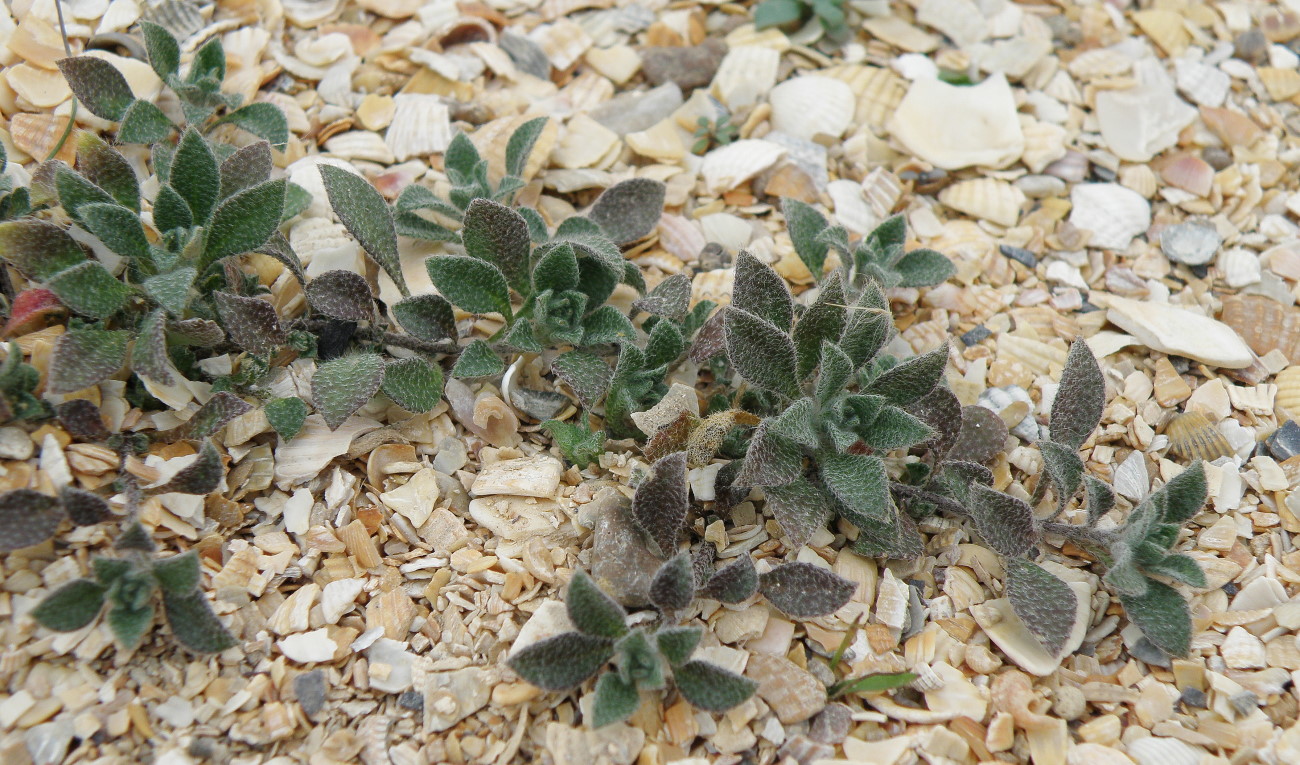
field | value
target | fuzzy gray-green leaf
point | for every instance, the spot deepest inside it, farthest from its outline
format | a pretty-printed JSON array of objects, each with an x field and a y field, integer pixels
[
  {"x": 149, "y": 354},
  {"x": 214, "y": 415},
  {"x": 557, "y": 270},
  {"x": 367, "y": 217},
  {"x": 202, "y": 476},
  {"x": 471, "y": 284},
  {"x": 194, "y": 623},
  {"x": 823, "y": 321},
  {"x": 1163, "y": 616},
  {"x": 805, "y": 591},
  {"x": 178, "y": 574},
  {"x": 771, "y": 460},
  {"x": 105, "y": 167},
  {"x": 1064, "y": 467},
  {"x": 520, "y": 145},
  {"x": 71, "y": 607},
  {"x": 38, "y": 249},
  {"x": 117, "y": 227},
  {"x": 85, "y": 357},
  {"x": 246, "y": 168},
  {"x": 498, "y": 235},
  {"x": 865, "y": 333},
  {"x": 616, "y": 700},
  {"x": 670, "y": 298},
  {"x": 97, "y": 85},
  {"x": 924, "y": 268},
  {"x": 129, "y": 625},
  {"x": 760, "y": 352},
  {"x": 1080, "y": 398},
  {"x": 144, "y": 123},
  {"x": 735, "y": 582},
  {"x": 801, "y": 508},
  {"x": 342, "y": 386},
  {"x": 1184, "y": 494},
  {"x": 562, "y": 662},
  {"x": 163, "y": 50},
  {"x": 84, "y": 508},
  {"x": 172, "y": 289},
  {"x": 1100, "y": 498},
  {"x": 607, "y": 324},
  {"x": 196, "y": 176},
  {"x": 591, "y": 610},
  {"x": 761, "y": 291},
  {"x": 245, "y": 221},
  {"x": 712, "y": 688},
  {"x": 1005, "y": 522},
  {"x": 660, "y": 504},
  {"x": 673, "y": 586},
  {"x": 586, "y": 375},
  {"x": 678, "y": 643},
  {"x": 413, "y": 384},
  {"x": 1043, "y": 602},
  {"x": 341, "y": 295},
  {"x": 27, "y": 517},
  {"x": 478, "y": 360},
  {"x": 262, "y": 119},
  {"x": 90, "y": 290},
  {"x": 804, "y": 224},
  {"x": 913, "y": 379},
  {"x": 426, "y": 317},
  {"x": 858, "y": 481},
  {"x": 286, "y": 416},
  {"x": 629, "y": 210},
  {"x": 252, "y": 324}
]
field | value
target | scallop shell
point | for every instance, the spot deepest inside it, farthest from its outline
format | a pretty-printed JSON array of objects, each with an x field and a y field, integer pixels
[
  {"x": 1131, "y": 479},
  {"x": 1232, "y": 127},
  {"x": 1264, "y": 324},
  {"x": 745, "y": 75},
  {"x": 1203, "y": 84},
  {"x": 1189, "y": 173},
  {"x": 1281, "y": 84},
  {"x": 1099, "y": 63},
  {"x": 985, "y": 198},
  {"x": 1112, "y": 213},
  {"x": 1153, "y": 750},
  {"x": 1193, "y": 436},
  {"x": 1044, "y": 144},
  {"x": 37, "y": 134},
  {"x": 421, "y": 124},
  {"x": 180, "y": 17},
  {"x": 878, "y": 92},
  {"x": 1140, "y": 178},
  {"x": 1166, "y": 30},
  {"x": 727, "y": 167},
  {"x": 810, "y": 106},
  {"x": 681, "y": 237},
  {"x": 882, "y": 189},
  {"x": 563, "y": 42},
  {"x": 1288, "y": 392}
]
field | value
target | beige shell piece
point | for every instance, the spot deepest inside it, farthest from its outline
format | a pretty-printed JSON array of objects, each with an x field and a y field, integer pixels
[
  {"x": 1140, "y": 178},
  {"x": 892, "y": 599},
  {"x": 360, "y": 144},
  {"x": 681, "y": 237},
  {"x": 661, "y": 141},
  {"x": 1098, "y": 63},
  {"x": 745, "y": 75},
  {"x": 1112, "y": 213},
  {"x": 310, "y": 13},
  {"x": 746, "y": 34},
  {"x": 421, "y": 125},
  {"x": 1165, "y": 28},
  {"x": 726, "y": 167},
  {"x": 323, "y": 245},
  {"x": 1281, "y": 84},
  {"x": 713, "y": 285},
  {"x": 878, "y": 91},
  {"x": 1288, "y": 392},
  {"x": 955, "y": 127},
  {"x": 37, "y": 134},
  {"x": 1016, "y": 57},
  {"x": 985, "y": 198},
  {"x": 1193, "y": 436},
  {"x": 1264, "y": 324},
  {"x": 1044, "y": 144},
  {"x": 1009, "y": 633},
  {"x": 119, "y": 15},
  {"x": 900, "y": 34},
  {"x": 562, "y": 41},
  {"x": 1189, "y": 173},
  {"x": 42, "y": 88},
  {"x": 851, "y": 208},
  {"x": 960, "y": 20},
  {"x": 584, "y": 143},
  {"x": 882, "y": 189},
  {"x": 809, "y": 106}
]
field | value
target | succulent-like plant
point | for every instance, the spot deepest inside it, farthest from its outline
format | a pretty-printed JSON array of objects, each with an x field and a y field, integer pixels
[
  {"x": 790, "y": 14},
  {"x": 708, "y": 134}
]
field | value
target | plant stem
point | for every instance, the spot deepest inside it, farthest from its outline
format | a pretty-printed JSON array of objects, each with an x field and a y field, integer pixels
[
  {"x": 373, "y": 335},
  {"x": 914, "y": 492}
]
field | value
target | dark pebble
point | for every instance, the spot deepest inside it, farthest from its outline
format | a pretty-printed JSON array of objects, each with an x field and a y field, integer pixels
[
  {"x": 1217, "y": 157},
  {"x": 1103, "y": 174},
  {"x": 526, "y": 54},
  {"x": 1145, "y": 651},
  {"x": 1019, "y": 254},
  {"x": 690, "y": 68},
  {"x": 1285, "y": 441},
  {"x": 1192, "y": 697},
  {"x": 538, "y": 404},
  {"x": 713, "y": 257},
  {"x": 831, "y": 725},
  {"x": 1244, "y": 703},
  {"x": 1087, "y": 307},
  {"x": 1251, "y": 46},
  {"x": 977, "y": 335},
  {"x": 310, "y": 689},
  {"x": 1231, "y": 588},
  {"x": 413, "y": 700}
]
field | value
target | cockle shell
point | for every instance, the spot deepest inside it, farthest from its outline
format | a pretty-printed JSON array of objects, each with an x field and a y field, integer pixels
[
  {"x": 1189, "y": 173},
  {"x": 37, "y": 134},
  {"x": 745, "y": 75},
  {"x": 1112, "y": 213},
  {"x": 180, "y": 17},
  {"x": 878, "y": 91},
  {"x": 1193, "y": 436},
  {"x": 1165, "y": 28},
  {"x": 1264, "y": 324},
  {"x": 1140, "y": 178},
  {"x": 1288, "y": 392},
  {"x": 1205, "y": 85},
  {"x": 727, "y": 167},
  {"x": 985, "y": 198},
  {"x": 954, "y": 127},
  {"x": 421, "y": 125},
  {"x": 810, "y": 106},
  {"x": 1044, "y": 144},
  {"x": 1281, "y": 84},
  {"x": 1153, "y": 750}
]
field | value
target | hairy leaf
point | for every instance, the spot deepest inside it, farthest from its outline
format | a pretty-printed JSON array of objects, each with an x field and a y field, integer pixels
[
  {"x": 616, "y": 700},
  {"x": 83, "y": 507},
  {"x": 1064, "y": 467},
  {"x": 941, "y": 410},
  {"x": 202, "y": 476},
  {"x": 805, "y": 591},
  {"x": 128, "y": 624},
  {"x": 772, "y": 459},
  {"x": 27, "y": 517},
  {"x": 1180, "y": 568},
  {"x": 638, "y": 661},
  {"x": 477, "y": 360},
  {"x": 579, "y": 445},
  {"x": 246, "y": 168},
  {"x": 1005, "y": 522},
  {"x": 1162, "y": 615},
  {"x": 286, "y": 416},
  {"x": 498, "y": 235},
  {"x": 836, "y": 370},
  {"x": 211, "y": 417},
  {"x": 75, "y": 192},
  {"x": 711, "y": 339},
  {"x": 673, "y": 586},
  {"x": 143, "y": 122},
  {"x": 760, "y": 352},
  {"x": 252, "y": 324},
  {"x": 135, "y": 538},
  {"x": 277, "y": 246},
  {"x": 171, "y": 290},
  {"x": 105, "y": 167},
  {"x": 678, "y": 643},
  {"x": 629, "y": 210},
  {"x": 924, "y": 268},
  {"x": 670, "y": 298},
  {"x": 413, "y": 384},
  {"x": 712, "y": 688},
  {"x": 761, "y": 291},
  {"x": 471, "y": 284},
  {"x": 664, "y": 345},
  {"x": 245, "y": 221},
  {"x": 196, "y": 176},
  {"x": 801, "y": 508},
  {"x": 1076, "y": 411},
  {"x": 607, "y": 324},
  {"x": 82, "y": 419},
  {"x": 982, "y": 435},
  {"x": 163, "y": 49},
  {"x": 117, "y": 227},
  {"x": 85, "y": 357},
  {"x": 591, "y": 610},
  {"x": 1042, "y": 601},
  {"x": 824, "y": 321},
  {"x": 262, "y": 119},
  {"x": 97, "y": 85},
  {"x": 1100, "y": 498},
  {"x": 178, "y": 574},
  {"x": 149, "y": 353},
  {"x": 520, "y": 146},
  {"x": 866, "y": 332},
  {"x": 858, "y": 481},
  {"x": 89, "y": 289},
  {"x": 895, "y": 537},
  {"x": 109, "y": 570},
  {"x": 660, "y": 504},
  {"x": 194, "y": 623},
  {"x": 1185, "y": 494},
  {"x": 367, "y": 217},
  {"x": 804, "y": 224},
  {"x": 342, "y": 386},
  {"x": 913, "y": 379},
  {"x": 557, "y": 270},
  {"x": 426, "y": 317},
  {"x": 71, "y": 607},
  {"x": 586, "y": 375},
  {"x": 894, "y": 428},
  {"x": 341, "y": 295},
  {"x": 170, "y": 211},
  {"x": 562, "y": 662},
  {"x": 733, "y": 583}
]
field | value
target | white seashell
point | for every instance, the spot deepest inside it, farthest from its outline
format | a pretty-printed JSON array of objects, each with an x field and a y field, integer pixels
[
  {"x": 812, "y": 105},
  {"x": 1099, "y": 63},
  {"x": 681, "y": 237},
  {"x": 42, "y": 88},
  {"x": 1239, "y": 267},
  {"x": 745, "y": 75},
  {"x": 882, "y": 189},
  {"x": 998, "y": 401},
  {"x": 1112, "y": 213},
  {"x": 960, "y": 20},
  {"x": 338, "y": 597},
  {"x": 310, "y": 13},
  {"x": 1242, "y": 650},
  {"x": 851, "y": 207},
  {"x": 892, "y": 598},
  {"x": 952, "y": 691},
  {"x": 323, "y": 50},
  {"x": 662, "y": 141},
  {"x": 1044, "y": 144},
  {"x": 1204, "y": 84},
  {"x": 315, "y": 446},
  {"x": 563, "y": 41},
  {"x": 1131, "y": 479},
  {"x": 878, "y": 91},
  {"x": 1004, "y": 628},
  {"x": 308, "y": 647},
  {"x": 1152, "y": 750},
  {"x": 726, "y": 167},
  {"x": 421, "y": 125},
  {"x": 585, "y": 143},
  {"x": 954, "y": 127},
  {"x": 360, "y": 144},
  {"x": 1261, "y": 593},
  {"x": 1015, "y": 57},
  {"x": 325, "y": 246},
  {"x": 1143, "y": 121},
  {"x": 416, "y": 498},
  {"x": 914, "y": 66},
  {"x": 732, "y": 232},
  {"x": 119, "y": 15},
  {"x": 985, "y": 198}
]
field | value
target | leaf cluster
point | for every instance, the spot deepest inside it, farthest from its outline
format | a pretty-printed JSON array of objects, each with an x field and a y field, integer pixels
[
  {"x": 791, "y": 14},
  {"x": 719, "y": 132}
]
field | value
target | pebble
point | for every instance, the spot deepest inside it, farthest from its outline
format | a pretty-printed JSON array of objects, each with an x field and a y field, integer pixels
[
  {"x": 15, "y": 444},
  {"x": 450, "y": 697},
  {"x": 1177, "y": 331},
  {"x": 831, "y": 725},
  {"x": 524, "y": 477},
  {"x": 1284, "y": 443},
  {"x": 623, "y": 563},
  {"x": 690, "y": 67},
  {"x": 1217, "y": 157},
  {"x": 793, "y": 693},
  {"x": 1019, "y": 254},
  {"x": 452, "y": 456},
  {"x": 310, "y": 689},
  {"x": 634, "y": 112},
  {"x": 1193, "y": 697},
  {"x": 1250, "y": 46},
  {"x": 1190, "y": 243}
]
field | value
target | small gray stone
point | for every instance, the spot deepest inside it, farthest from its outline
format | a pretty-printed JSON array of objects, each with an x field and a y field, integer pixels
[
  {"x": 690, "y": 67},
  {"x": 47, "y": 744},
  {"x": 1250, "y": 46},
  {"x": 1019, "y": 254},
  {"x": 831, "y": 725},
  {"x": 413, "y": 700},
  {"x": 622, "y": 561},
  {"x": 15, "y": 444},
  {"x": 1217, "y": 157},
  {"x": 1285, "y": 441},
  {"x": 634, "y": 112},
  {"x": 1193, "y": 697},
  {"x": 452, "y": 456},
  {"x": 538, "y": 404},
  {"x": 310, "y": 688},
  {"x": 1189, "y": 243},
  {"x": 526, "y": 54}
]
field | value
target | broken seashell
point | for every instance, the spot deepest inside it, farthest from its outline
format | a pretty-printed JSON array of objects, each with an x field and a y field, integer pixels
[
  {"x": 1112, "y": 213},
  {"x": 1166, "y": 30},
  {"x": 1265, "y": 324},
  {"x": 987, "y": 199},
  {"x": 1189, "y": 173},
  {"x": 746, "y": 74},
  {"x": 1288, "y": 392},
  {"x": 1044, "y": 144},
  {"x": 954, "y": 127},
  {"x": 728, "y": 166},
  {"x": 1193, "y": 436},
  {"x": 960, "y": 20},
  {"x": 999, "y": 621},
  {"x": 1143, "y": 121},
  {"x": 810, "y": 106},
  {"x": 421, "y": 125},
  {"x": 310, "y": 13}
]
